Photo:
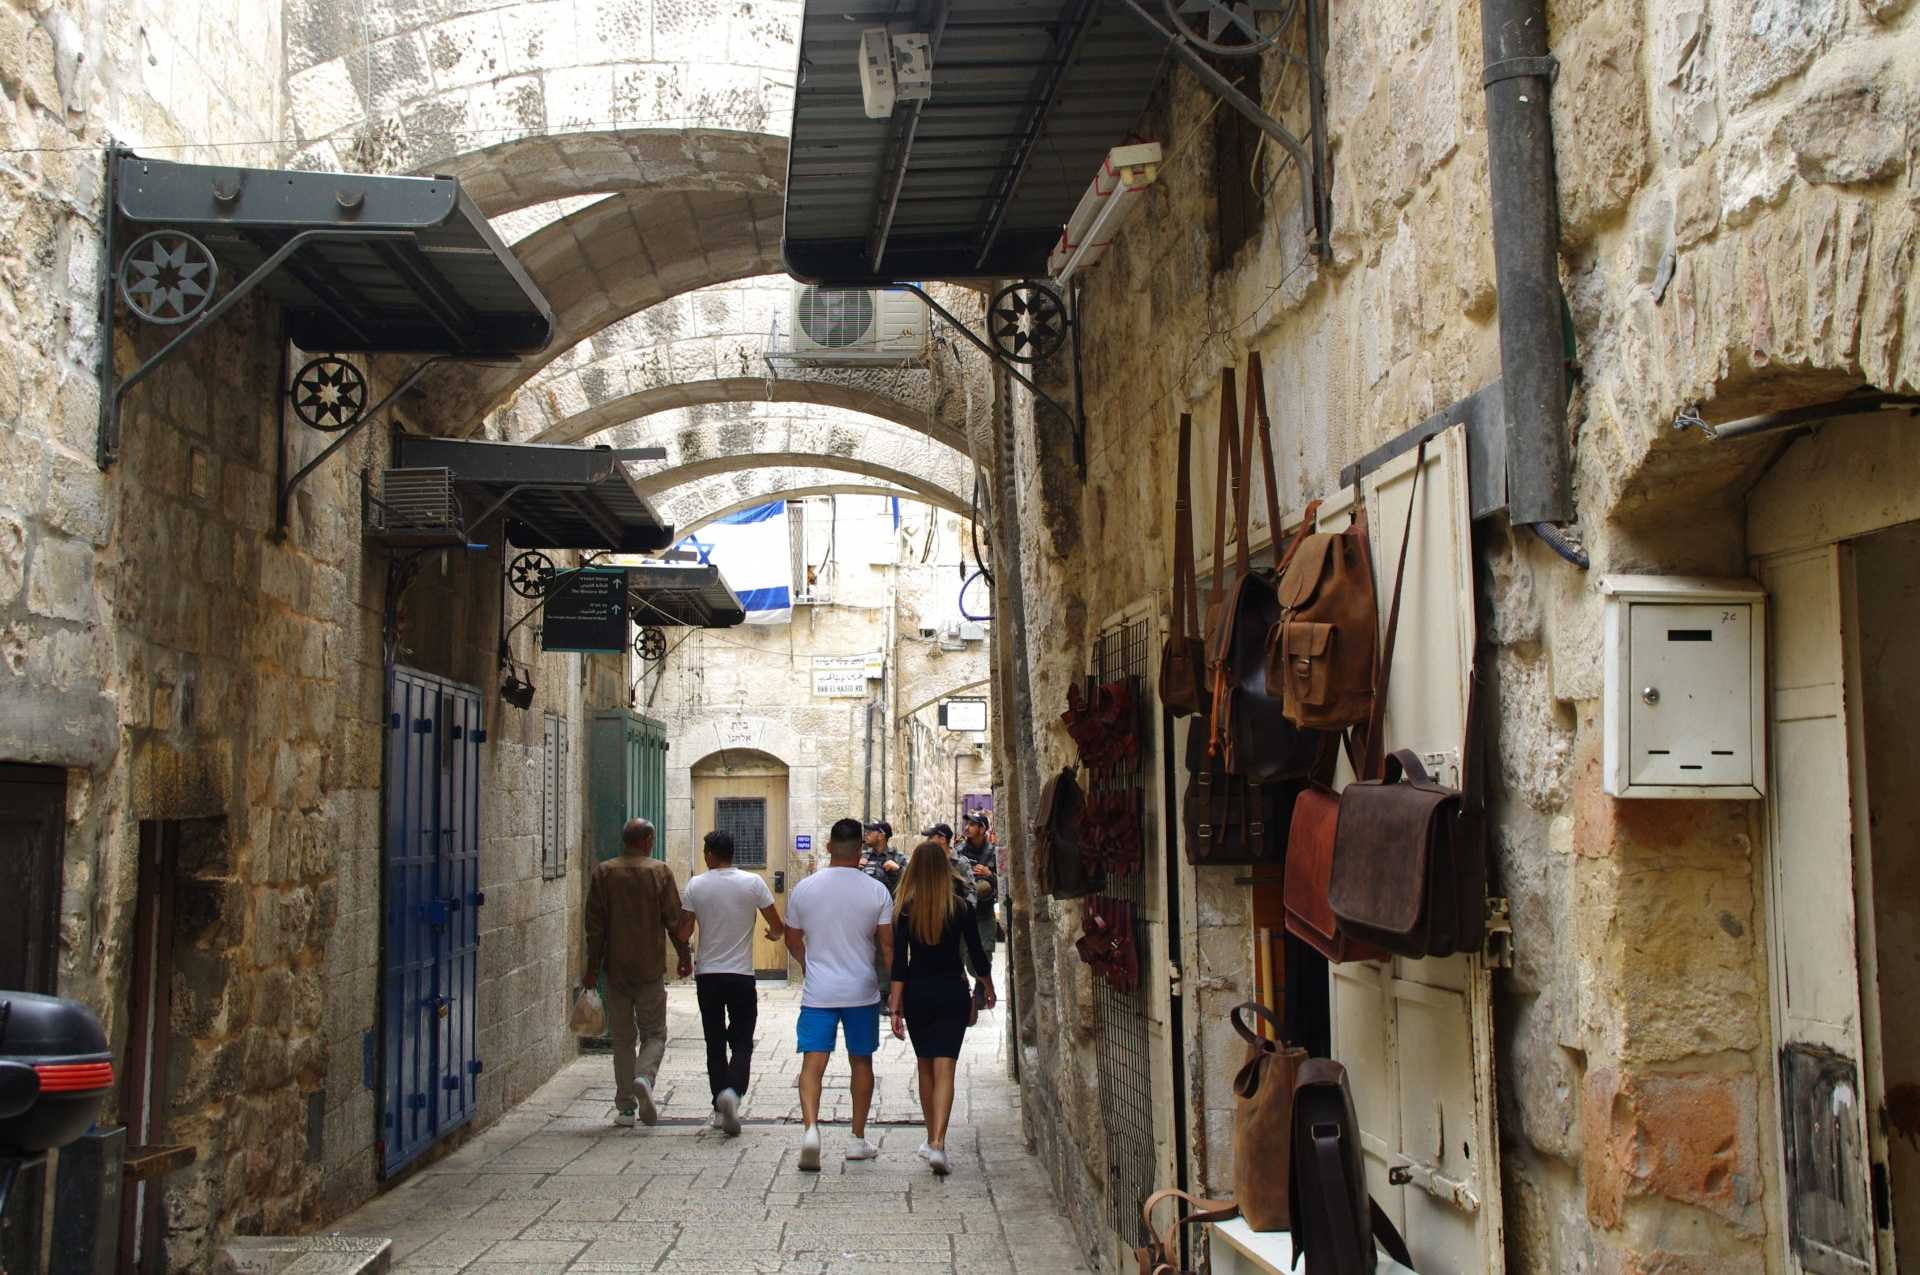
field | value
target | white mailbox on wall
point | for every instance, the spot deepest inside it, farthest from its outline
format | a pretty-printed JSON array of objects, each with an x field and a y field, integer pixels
[{"x": 1685, "y": 687}]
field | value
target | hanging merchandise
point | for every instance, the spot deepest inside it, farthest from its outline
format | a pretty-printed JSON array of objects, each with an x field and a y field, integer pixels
[
  {"x": 1160, "y": 1255},
  {"x": 1320, "y": 656},
  {"x": 1058, "y": 859},
  {"x": 1245, "y": 761},
  {"x": 1111, "y": 833},
  {"x": 1335, "y": 1221},
  {"x": 1183, "y": 660},
  {"x": 1107, "y": 943},
  {"x": 1104, "y": 725},
  {"x": 1262, "y": 1122},
  {"x": 1317, "y": 815}
]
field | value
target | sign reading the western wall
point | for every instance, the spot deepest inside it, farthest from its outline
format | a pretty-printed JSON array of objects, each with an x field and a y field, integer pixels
[{"x": 844, "y": 676}]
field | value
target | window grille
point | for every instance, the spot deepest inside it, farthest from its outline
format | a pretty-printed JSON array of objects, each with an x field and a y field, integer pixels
[
  {"x": 746, "y": 819},
  {"x": 553, "y": 799}
]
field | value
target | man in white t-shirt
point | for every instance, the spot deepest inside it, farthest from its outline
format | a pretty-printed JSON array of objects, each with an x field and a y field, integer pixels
[
  {"x": 721, "y": 902},
  {"x": 838, "y": 921}
]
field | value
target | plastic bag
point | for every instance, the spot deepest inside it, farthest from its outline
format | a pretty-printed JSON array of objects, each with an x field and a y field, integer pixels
[{"x": 589, "y": 1017}]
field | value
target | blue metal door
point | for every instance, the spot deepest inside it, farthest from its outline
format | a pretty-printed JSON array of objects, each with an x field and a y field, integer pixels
[{"x": 431, "y": 897}]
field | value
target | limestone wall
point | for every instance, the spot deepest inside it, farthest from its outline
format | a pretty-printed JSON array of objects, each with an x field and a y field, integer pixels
[{"x": 1738, "y": 227}]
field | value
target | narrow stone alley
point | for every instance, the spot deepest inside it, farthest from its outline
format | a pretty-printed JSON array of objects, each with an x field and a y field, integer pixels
[{"x": 553, "y": 1186}]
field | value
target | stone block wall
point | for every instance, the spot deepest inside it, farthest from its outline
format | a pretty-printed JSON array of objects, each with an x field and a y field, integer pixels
[{"x": 1738, "y": 225}]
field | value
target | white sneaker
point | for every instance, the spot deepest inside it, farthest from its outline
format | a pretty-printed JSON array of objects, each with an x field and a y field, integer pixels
[
  {"x": 861, "y": 1149},
  {"x": 713, "y": 1121},
  {"x": 924, "y": 1151},
  {"x": 623, "y": 1118},
  {"x": 810, "y": 1150},
  {"x": 643, "y": 1096},
  {"x": 937, "y": 1157},
  {"x": 726, "y": 1112}
]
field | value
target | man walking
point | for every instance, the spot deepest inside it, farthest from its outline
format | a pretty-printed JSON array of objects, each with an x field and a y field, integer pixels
[
  {"x": 977, "y": 857},
  {"x": 633, "y": 905},
  {"x": 721, "y": 902},
  {"x": 839, "y": 920}
]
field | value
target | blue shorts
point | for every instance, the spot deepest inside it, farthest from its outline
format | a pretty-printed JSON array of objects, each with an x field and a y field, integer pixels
[{"x": 817, "y": 1029}]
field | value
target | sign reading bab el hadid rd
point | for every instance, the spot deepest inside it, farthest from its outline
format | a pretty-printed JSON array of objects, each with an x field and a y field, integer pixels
[{"x": 844, "y": 676}]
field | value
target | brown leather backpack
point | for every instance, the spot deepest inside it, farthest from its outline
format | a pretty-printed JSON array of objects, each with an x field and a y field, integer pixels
[
  {"x": 1263, "y": 1122},
  {"x": 1319, "y": 658},
  {"x": 1183, "y": 660}
]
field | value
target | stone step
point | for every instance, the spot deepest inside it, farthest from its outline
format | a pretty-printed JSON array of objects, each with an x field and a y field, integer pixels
[{"x": 307, "y": 1255}]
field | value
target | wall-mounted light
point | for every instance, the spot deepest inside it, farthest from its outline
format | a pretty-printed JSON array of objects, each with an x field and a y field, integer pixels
[{"x": 1115, "y": 192}]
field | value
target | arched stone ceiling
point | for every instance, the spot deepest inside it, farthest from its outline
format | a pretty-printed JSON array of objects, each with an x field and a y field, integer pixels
[
  {"x": 709, "y": 346},
  {"x": 616, "y": 257},
  {"x": 758, "y": 436},
  {"x": 694, "y": 505}
]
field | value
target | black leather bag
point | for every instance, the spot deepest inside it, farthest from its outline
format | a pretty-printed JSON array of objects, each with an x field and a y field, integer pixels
[
  {"x": 1227, "y": 820},
  {"x": 1335, "y": 1221}
]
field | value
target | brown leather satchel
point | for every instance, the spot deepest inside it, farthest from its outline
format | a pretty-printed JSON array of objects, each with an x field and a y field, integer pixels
[
  {"x": 1335, "y": 1222},
  {"x": 1060, "y": 860},
  {"x": 1161, "y": 1254},
  {"x": 1248, "y": 727},
  {"x": 1262, "y": 1123},
  {"x": 1183, "y": 661},
  {"x": 1227, "y": 820},
  {"x": 1320, "y": 656}
]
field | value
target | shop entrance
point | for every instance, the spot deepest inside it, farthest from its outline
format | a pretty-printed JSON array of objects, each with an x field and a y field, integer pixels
[
  {"x": 33, "y": 812},
  {"x": 744, "y": 792}
]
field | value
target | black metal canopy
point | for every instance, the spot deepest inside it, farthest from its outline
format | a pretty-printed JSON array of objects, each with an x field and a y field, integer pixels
[
  {"x": 423, "y": 273},
  {"x": 975, "y": 182},
  {"x": 553, "y": 495},
  {"x": 691, "y": 594}
]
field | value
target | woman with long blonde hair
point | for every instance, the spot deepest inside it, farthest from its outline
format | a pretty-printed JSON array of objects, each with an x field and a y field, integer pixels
[{"x": 929, "y": 997}]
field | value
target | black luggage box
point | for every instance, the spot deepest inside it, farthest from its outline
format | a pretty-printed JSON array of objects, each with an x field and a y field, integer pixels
[{"x": 55, "y": 1071}]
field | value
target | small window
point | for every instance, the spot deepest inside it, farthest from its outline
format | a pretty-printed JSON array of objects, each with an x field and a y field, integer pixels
[
  {"x": 746, "y": 819},
  {"x": 553, "y": 799}
]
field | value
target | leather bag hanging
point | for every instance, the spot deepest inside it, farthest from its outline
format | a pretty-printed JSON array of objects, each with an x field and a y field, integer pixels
[
  {"x": 1183, "y": 661},
  {"x": 1161, "y": 1254},
  {"x": 1335, "y": 1222},
  {"x": 1313, "y": 837},
  {"x": 1062, "y": 864},
  {"x": 1226, "y": 820},
  {"x": 1247, "y": 726},
  {"x": 1320, "y": 656},
  {"x": 1262, "y": 1122}
]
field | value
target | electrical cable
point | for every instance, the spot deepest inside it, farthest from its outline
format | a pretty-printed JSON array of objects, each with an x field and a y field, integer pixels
[{"x": 1551, "y": 536}]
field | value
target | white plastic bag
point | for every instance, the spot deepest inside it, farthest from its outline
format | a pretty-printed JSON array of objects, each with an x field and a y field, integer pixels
[{"x": 589, "y": 1016}]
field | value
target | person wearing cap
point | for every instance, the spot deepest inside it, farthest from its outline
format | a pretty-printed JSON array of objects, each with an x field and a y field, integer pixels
[
  {"x": 878, "y": 859},
  {"x": 976, "y": 852}
]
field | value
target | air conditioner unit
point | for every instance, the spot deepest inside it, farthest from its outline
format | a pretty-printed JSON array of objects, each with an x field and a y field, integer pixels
[{"x": 857, "y": 325}]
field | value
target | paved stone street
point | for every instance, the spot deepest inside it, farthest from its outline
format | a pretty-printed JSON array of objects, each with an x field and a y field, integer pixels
[{"x": 554, "y": 1187}]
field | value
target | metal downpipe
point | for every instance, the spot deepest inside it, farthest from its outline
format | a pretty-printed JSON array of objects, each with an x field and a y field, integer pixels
[{"x": 1526, "y": 237}]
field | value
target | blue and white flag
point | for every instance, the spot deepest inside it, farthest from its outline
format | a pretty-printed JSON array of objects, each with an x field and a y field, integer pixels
[{"x": 753, "y": 551}]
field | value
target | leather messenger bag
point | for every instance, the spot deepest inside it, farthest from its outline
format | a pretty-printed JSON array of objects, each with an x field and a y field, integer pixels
[{"x": 1335, "y": 1221}]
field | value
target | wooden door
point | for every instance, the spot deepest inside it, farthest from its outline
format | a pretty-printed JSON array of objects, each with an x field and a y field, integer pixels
[{"x": 753, "y": 807}]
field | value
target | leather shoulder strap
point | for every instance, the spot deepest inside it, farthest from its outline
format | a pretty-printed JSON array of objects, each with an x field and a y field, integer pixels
[
  {"x": 1336, "y": 1199},
  {"x": 1242, "y": 487},
  {"x": 1186, "y": 602},
  {"x": 1375, "y": 744},
  {"x": 1229, "y": 461},
  {"x": 1257, "y": 406}
]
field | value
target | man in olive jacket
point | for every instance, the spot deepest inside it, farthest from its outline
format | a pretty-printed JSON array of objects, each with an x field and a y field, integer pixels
[{"x": 633, "y": 905}]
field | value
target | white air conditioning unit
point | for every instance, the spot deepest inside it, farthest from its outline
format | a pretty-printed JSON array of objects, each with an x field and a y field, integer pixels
[{"x": 857, "y": 325}]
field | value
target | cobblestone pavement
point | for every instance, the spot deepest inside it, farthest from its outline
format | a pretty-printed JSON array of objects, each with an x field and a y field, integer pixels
[{"x": 554, "y": 1187}]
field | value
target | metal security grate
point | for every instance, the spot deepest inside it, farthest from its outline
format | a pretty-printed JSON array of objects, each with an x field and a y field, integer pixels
[
  {"x": 746, "y": 819},
  {"x": 1123, "y": 1059}
]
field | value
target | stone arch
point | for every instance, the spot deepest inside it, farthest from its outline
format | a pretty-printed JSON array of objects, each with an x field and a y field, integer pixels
[
  {"x": 929, "y": 700},
  {"x": 728, "y": 761},
  {"x": 733, "y": 437},
  {"x": 697, "y": 504},
  {"x": 621, "y": 255},
  {"x": 710, "y": 346}
]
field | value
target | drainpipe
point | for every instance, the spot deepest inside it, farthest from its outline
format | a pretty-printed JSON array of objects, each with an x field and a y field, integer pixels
[{"x": 1526, "y": 235}]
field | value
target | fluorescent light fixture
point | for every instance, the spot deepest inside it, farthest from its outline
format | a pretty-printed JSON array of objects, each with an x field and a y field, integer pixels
[{"x": 1115, "y": 192}]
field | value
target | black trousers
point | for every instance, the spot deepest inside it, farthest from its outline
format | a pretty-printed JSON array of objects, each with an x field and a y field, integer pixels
[{"x": 729, "y": 1008}]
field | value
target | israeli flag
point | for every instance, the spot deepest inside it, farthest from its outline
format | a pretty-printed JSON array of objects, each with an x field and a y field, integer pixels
[{"x": 754, "y": 552}]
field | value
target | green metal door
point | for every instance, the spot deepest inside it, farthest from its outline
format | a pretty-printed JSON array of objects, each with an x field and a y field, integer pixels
[{"x": 627, "y": 765}]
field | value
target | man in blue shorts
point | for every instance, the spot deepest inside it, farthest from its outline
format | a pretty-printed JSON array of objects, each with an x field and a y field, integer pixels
[{"x": 839, "y": 925}]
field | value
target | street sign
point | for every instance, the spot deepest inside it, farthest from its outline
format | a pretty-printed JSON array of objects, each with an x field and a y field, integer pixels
[
  {"x": 964, "y": 714},
  {"x": 587, "y": 611},
  {"x": 844, "y": 676},
  {"x": 803, "y": 842}
]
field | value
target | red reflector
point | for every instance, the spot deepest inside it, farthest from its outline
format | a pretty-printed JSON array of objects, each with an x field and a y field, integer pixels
[{"x": 74, "y": 1077}]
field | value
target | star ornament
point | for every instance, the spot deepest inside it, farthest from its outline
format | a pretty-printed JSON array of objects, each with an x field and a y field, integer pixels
[
  {"x": 1236, "y": 21},
  {"x": 329, "y": 393},
  {"x": 165, "y": 283}
]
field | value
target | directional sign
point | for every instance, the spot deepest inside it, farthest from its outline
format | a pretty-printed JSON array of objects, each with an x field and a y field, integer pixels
[{"x": 587, "y": 611}]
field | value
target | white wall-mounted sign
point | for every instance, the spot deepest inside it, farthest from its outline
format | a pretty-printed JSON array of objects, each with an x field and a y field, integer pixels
[
  {"x": 844, "y": 676},
  {"x": 964, "y": 714}
]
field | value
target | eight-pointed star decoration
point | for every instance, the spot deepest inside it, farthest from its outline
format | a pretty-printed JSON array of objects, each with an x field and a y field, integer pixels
[
  {"x": 1234, "y": 19},
  {"x": 329, "y": 393},
  {"x": 168, "y": 277}
]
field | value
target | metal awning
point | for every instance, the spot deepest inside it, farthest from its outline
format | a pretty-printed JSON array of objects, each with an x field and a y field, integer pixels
[
  {"x": 692, "y": 594},
  {"x": 553, "y": 495},
  {"x": 975, "y": 182},
  {"x": 378, "y": 264}
]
